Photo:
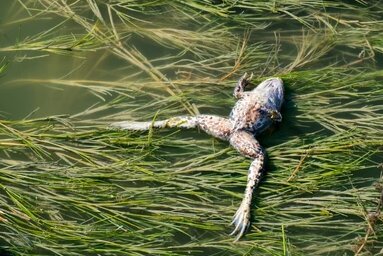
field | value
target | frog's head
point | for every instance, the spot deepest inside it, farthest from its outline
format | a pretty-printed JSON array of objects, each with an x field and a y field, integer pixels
[{"x": 272, "y": 90}]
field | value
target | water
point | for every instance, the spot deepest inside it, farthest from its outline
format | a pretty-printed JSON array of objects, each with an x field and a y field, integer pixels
[{"x": 72, "y": 187}]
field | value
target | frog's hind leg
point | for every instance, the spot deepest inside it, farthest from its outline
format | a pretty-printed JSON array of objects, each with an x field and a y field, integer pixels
[
  {"x": 248, "y": 146},
  {"x": 216, "y": 126}
]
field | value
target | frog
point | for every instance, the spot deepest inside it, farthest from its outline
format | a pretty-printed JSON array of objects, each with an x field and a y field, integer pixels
[{"x": 254, "y": 112}]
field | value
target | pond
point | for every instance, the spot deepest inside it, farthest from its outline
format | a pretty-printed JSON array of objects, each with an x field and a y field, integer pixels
[{"x": 71, "y": 185}]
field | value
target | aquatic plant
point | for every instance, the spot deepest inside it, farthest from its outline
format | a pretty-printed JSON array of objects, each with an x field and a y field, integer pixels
[{"x": 70, "y": 186}]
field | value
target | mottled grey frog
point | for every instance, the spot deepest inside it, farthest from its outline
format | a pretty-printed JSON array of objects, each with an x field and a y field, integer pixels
[{"x": 254, "y": 112}]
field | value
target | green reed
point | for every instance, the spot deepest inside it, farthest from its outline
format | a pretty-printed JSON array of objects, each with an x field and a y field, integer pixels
[{"x": 71, "y": 186}]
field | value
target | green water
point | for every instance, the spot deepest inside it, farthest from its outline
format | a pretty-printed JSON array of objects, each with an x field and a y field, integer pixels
[{"x": 70, "y": 186}]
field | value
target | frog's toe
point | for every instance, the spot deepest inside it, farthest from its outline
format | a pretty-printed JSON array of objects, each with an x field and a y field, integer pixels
[
  {"x": 246, "y": 78},
  {"x": 241, "y": 221}
]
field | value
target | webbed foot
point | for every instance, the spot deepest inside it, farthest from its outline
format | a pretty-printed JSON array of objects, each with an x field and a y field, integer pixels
[
  {"x": 241, "y": 220},
  {"x": 131, "y": 125}
]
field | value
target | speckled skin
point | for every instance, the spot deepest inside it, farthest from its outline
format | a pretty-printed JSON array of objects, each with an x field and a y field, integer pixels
[{"x": 253, "y": 113}]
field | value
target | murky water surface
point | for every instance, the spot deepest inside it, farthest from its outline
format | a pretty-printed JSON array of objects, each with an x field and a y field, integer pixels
[{"x": 39, "y": 84}]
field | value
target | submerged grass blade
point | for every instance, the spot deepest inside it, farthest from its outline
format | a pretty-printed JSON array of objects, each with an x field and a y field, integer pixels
[{"x": 70, "y": 186}]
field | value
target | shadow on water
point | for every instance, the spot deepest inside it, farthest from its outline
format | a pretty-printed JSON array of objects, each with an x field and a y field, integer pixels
[
  {"x": 5, "y": 252},
  {"x": 278, "y": 133}
]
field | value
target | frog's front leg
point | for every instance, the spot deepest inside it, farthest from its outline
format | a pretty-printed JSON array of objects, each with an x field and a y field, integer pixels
[
  {"x": 241, "y": 85},
  {"x": 248, "y": 146},
  {"x": 216, "y": 126}
]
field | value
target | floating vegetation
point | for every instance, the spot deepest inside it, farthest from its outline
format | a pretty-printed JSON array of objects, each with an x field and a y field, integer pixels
[{"x": 70, "y": 186}]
